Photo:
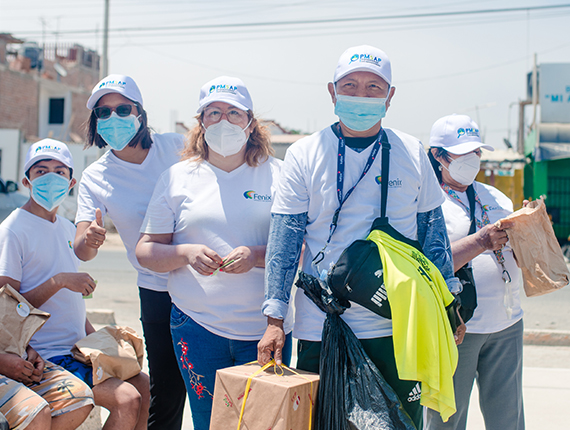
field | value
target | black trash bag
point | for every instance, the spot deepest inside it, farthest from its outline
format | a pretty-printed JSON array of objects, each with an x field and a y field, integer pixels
[{"x": 353, "y": 394}]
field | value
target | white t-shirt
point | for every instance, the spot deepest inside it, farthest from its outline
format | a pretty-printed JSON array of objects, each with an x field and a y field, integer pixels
[
  {"x": 308, "y": 184},
  {"x": 123, "y": 190},
  {"x": 32, "y": 250},
  {"x": 490, "y": 315},
  {"x": 201, "y": 204}
]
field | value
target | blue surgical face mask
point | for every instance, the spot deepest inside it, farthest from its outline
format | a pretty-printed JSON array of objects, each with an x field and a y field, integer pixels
[
  {"x": 50, "y": 190},
  {"x": 118, "y": 131},
  {"x": 359, "y": 113}
]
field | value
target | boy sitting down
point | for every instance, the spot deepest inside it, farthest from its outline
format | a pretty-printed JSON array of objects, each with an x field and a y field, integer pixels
[
  {"x": 38, "y": 260},
  {"x": 38, "y": 395}
]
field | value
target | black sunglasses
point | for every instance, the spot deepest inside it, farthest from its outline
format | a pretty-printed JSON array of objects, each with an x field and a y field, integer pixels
[{"x": 104, "y": 112}]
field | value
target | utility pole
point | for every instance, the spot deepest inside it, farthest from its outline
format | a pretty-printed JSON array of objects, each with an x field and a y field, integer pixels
[
  {"x": 104, "y": 70},
  {"x": 520, "y": 132},
  {"x": 535, "y": 101},
  {"x": 534, "y": 91}
]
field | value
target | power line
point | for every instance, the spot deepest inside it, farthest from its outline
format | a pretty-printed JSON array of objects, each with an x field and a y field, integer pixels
[
  {"x": 188, "y": 37},
  {"x": 322, "y": 21}
]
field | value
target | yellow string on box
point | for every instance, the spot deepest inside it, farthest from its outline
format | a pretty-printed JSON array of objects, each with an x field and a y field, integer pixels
[{"x": 277, "y": 372}]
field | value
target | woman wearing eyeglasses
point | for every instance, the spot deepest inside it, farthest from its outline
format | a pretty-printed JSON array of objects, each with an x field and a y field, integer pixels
[
  {"x": 207, "y": 224},
  {"x": 491, "y": 352},
  {"x": 120, "y": 184}
]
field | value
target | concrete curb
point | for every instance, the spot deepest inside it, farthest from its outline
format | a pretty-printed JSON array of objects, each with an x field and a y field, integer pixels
[
  {"x": 546, "y": 337},
  {"x": 530, "y": 337},
  {"x": 101, "y": 316}
]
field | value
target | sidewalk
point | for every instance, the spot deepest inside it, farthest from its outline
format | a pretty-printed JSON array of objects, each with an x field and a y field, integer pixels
[
  {"x": 546, "y": 366},
  {"x": 546, "y": 389}
]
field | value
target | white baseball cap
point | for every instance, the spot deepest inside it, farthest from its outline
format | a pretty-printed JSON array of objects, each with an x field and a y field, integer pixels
[
  {"x": 120, "y": 84},
  {"x": 364, "y": 58},
  {"x": 225, "y": 89},
  {"x": 48, "y": 149},
  {"x": 457, "y": 134}
]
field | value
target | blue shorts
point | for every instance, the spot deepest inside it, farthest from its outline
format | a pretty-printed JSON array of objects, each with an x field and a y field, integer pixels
[{"x": 77, "y": 368}]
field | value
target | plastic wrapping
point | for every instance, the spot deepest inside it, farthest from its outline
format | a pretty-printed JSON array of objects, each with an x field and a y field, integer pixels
[{"x": 353, "y": 394}]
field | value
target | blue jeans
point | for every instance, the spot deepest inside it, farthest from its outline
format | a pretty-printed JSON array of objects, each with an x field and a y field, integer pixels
[{"x": 200, "y": 353}]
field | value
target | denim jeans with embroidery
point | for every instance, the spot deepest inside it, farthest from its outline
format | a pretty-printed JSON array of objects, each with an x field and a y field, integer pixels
[
  {"x": 284, "y": 249},
  {"x": 200, "y": 353}
]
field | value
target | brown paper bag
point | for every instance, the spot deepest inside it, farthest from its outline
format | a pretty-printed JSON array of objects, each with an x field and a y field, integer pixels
[
  {"x": 112, "y": 352},
  {"x": 19, "y": 321},
  {"x": 275, "y": 401},
  {"x": 536, "y": 249}
]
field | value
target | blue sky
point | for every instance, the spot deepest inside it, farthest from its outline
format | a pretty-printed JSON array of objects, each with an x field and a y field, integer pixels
[{"x": 473, "y": 63}]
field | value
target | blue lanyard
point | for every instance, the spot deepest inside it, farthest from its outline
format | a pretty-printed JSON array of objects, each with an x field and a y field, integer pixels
[
  {"x": 340, "y": 184},
  {"x": 340, "y": 168}
]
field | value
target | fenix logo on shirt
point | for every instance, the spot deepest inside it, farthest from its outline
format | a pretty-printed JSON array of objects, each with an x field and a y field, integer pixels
[
  {"x": 252, "y": 195},
  {"x": 488, "y": 208},
  {"x": 394, "y": 183}
]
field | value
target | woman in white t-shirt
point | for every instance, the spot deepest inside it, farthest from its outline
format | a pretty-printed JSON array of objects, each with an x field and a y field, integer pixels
[
  {"x": 119, "y": 184},
  {"x": 207, "y": 224},
  {"x": 491, "y": 351}
]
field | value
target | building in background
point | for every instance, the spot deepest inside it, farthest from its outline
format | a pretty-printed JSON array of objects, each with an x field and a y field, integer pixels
[
  {"x": 547, "y": 145},
  {"x": 43, "y": 93},
  {"x": 504, "y": 169}
]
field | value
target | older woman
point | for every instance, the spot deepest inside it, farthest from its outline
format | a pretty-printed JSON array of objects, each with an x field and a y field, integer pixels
[
  {"x": 491, "y": 351},
  {"x": 207, "y": 224},
  {"x": 119, "y": 184}
]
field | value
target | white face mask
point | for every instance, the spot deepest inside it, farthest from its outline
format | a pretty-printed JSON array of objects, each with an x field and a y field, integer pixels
[
  {"x": 465, "y": 168},
  {"x": 225, "y": 138}
]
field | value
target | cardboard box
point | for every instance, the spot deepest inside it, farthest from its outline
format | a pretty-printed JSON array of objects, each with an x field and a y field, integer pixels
[{"x": 278, "y": 399}]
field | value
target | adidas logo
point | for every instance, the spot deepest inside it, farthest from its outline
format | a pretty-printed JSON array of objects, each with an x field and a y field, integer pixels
[
  {"x": 415, "y": 394},
  {"x": 378, "y": 273},
  {"x": 379, "y": 296}
]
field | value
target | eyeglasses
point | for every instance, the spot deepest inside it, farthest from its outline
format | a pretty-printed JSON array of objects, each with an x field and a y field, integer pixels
[
  {"x": 104, "y": 112},
  {"x": 234, "y": 115}
]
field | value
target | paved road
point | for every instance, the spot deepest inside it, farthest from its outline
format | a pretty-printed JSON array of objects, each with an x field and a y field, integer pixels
[
  {"x": 548, "y": 312},
  {"x": 546, "y": 378}
]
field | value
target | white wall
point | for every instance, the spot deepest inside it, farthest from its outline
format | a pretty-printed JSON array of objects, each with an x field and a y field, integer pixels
[
  {"x": 48, "y": 90},
  {"x": 9, "y": 144},
  {"x": 554, "y": 94}
]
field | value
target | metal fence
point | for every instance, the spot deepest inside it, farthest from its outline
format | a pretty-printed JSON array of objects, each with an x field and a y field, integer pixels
[{"x": 558, "y": 205}]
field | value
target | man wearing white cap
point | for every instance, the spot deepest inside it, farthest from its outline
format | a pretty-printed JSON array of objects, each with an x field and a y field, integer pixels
[
  {"x": 318, "y": 176},
  {"x": 491, "y": 351},
  {"x": 119, "y": 185},
  {"x": 37, "y": 259}
]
